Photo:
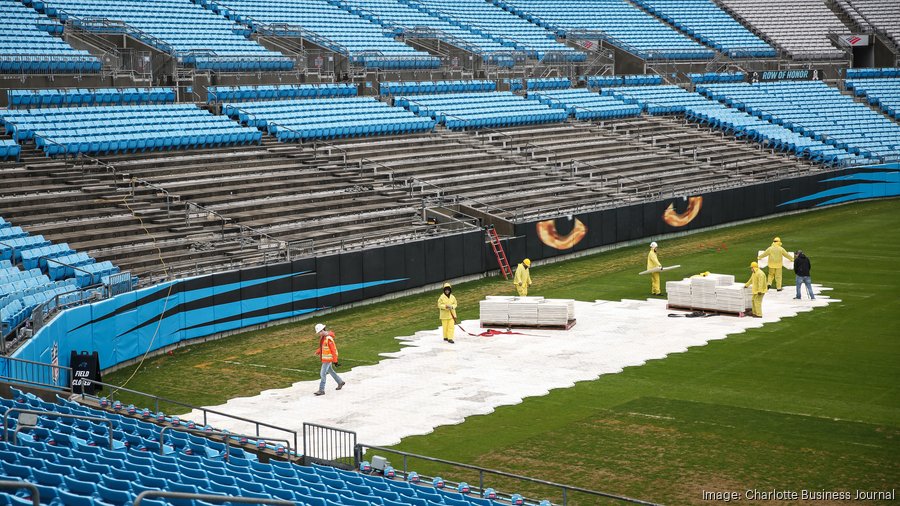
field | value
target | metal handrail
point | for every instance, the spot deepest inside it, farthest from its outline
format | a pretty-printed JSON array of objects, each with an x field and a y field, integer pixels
[
  {"x": 226, "y": 436},
  {"x": 359, "y": 451},
  {"x": 35, "y": 493},
  {"x": 14, "y": 360},
  {"x": 157, "y": 399},
  {"x": 52, "y": 413},
  {"x": 208, "y": 497}
]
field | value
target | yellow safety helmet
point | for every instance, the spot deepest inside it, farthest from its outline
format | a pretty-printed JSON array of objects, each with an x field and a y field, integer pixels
[
  {"x": 447, "y": 285},
  {"x": 777, "y": 239},
  {"x": 527, "y": 262},
  {"x": 754, "y": 264}
]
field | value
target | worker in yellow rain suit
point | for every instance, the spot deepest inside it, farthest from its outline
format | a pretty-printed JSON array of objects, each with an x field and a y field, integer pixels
[
  {"x": 447, "y": 304},
  {"x": 758, "y": 283},
  {"x": 775, "y": 253},
  {"x": 523, "y": 278},
  {"x": 652, "y": 263}
]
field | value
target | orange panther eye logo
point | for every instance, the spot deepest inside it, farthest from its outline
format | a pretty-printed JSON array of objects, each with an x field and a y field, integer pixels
[
  {"x": 548, "y": 234},
  {"x": 679, "y": 220}
]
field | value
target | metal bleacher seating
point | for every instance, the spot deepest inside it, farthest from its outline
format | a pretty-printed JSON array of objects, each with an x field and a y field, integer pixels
[
  {"x": 28, "y": 45},
  {"x": 881, "y": 15},
  {"x": 326, "y": 118},
  {"x": 816, "y": 110},
  {"x": 582, "y": 103},
  {"x": 708, "y": 23},
  {"x": 340, "y": 30},
  {"x": 183, "y": 29},
  {"x": 883, "y": 92},
  {"x": 799, "y": 27},
  {"x": 616, "y": 20},
  {"x": 272, "y": 91},
  {"x": 126, "y": 128},
  {"x": 476, "y": 110},
  {"x": 490, "y": 20},
  {"x": 71, "y": 463},
  {"x": 432, "y": 87},
  {"x": 95, "y": 96}
]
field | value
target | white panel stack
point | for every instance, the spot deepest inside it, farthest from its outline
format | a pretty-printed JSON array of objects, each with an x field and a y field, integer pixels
[
  {"x": 715, "y": 292},
  {"x": 679, "y": 292},
  {"x": 703, "y": 292},
  {"x": 734, "y": 298},
  {"x": 507, "y": 310}
]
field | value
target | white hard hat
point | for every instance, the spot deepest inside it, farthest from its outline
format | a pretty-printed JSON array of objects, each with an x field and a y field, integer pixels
[
  {"x": 320, "y": 327},
  {"x": 653, "y": 244}
]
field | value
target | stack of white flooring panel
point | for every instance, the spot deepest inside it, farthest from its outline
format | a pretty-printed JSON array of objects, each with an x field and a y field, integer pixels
[
  {"x": 714, "y": 292},
  {"x": 531, "y": 311}
]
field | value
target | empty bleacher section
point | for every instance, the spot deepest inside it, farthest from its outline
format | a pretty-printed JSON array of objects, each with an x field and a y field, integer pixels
[
  {"x": 717, "y": 77},
  {"x": 27, "y": 44},
  {"x": 328, "y": 25},
  {"x": 326, "y": 118},
  {"x": 581, "y": 103},
  {"x": 194, "y": 35},
  {"x": 616, "y": 21},
  {"x": 881, "y": 15},
  {"x": 109, "y": 456},
  {"x": 548, "y": 83},
  {"x": 664, "y": 100},
  {"x": 626, "y": 80},
  {"x": 408, "y": 19},
  {"x": 813, "y": 109},
  {"x": 81, "y": 96},
  {"x": 491, "y": 21},
  {"x": 273, "y": 91},
  {"x": 432, "y": 87},
  {"x": 45, "y": 275},
  {"x": 475, "y": 110},
  {"x": 800, "y": 28},
  {"x": 705, "y": 21},
  {"x": 868, "y": 73},
  {"x": 884, "y": 93},
  {"x": 126, "y": 128}
]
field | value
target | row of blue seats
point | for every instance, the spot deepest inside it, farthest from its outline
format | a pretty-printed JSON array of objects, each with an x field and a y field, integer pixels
[
  {"x": 265, "y": 92},
  {"x": 548, "y": 83},
  {"x": 188, "y": 137},
  {"x": 416, "y": 87},
  {"x": 398, "y": 62},
  {"x": 17, "y": 275},
  {"x": 867, "y": 73},
  {"x": 11, "y": 249},
  {"x": 7, "y": 231},
  {"x": 36, "y": 258},
  {"x": 350, "y": 128},
  {"x": 665, "y": 99},
  {"x": 881, "y": 92},
  {"x": 13, "y": 283},
  {"x": 624, "y": 80},
  {"x": 64, "y": 266},
  {"x": 27, "y": 63},
  {"x": 583, "y": 104},
  {"x": 717, "y": 77},
  {"x": 34, "y": 290},
  {"x": 82, "y": 96}
]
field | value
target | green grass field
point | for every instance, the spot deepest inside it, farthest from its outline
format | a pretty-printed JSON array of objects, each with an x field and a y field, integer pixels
[{"x": 812, "y": 402}]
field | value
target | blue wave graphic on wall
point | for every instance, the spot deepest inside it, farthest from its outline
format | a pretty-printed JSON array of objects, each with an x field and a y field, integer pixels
[{"x": 876, "y": 185}]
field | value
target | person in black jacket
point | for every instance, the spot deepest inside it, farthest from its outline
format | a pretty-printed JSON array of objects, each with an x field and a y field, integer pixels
[{"x": 801, "y": 271}]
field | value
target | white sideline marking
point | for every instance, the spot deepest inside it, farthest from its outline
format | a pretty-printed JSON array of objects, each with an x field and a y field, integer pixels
[{"x": 429, "y": 383}]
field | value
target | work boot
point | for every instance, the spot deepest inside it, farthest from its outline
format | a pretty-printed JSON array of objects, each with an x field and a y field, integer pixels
[
  {"x": 451, "y": 341},
  {"x": 341, "y": 385},
  {"x": 319, "y": 392},
  {"x": 780, "y": 289}
]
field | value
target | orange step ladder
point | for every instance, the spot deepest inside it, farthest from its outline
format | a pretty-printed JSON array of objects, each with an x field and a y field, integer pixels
[{"x": 499, "y": 253}]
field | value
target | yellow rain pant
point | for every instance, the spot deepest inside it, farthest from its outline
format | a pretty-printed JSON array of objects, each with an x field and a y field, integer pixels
[{"x": 448, "y": 328}]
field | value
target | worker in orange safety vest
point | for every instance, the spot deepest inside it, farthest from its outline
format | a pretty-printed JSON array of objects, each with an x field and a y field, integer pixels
[{"x": 329, "y": 353}]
